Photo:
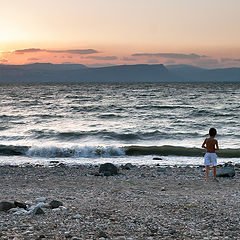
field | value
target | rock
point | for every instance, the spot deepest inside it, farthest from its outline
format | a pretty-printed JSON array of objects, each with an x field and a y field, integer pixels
[
  {"x": 102, "y": 235},
  {"x": 55, "y": 204},
  {"x": 226, "y": 172},
  {"x": 228, "y": 164},
  {"x": 108, "y": 169},
  {"x": 157, "y": 158},
  {"x": 78, "y": 216},
  {"x": 20, "y": 205},
  {"x": 5, "y": 206},
  {"x": 127, "y": 166},
  {"x": 38, "y": 211},
  {"x": 20, "y": 212},
  {"x": 41, "y": 199},
  {"x": 68, "y": 235}
]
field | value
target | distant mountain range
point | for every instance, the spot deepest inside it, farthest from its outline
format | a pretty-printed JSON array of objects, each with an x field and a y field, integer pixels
[{"x": 47, "y": 72}]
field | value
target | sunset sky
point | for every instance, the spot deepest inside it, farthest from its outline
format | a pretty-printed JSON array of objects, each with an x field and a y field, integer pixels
[{"x": 203, "y": 33}]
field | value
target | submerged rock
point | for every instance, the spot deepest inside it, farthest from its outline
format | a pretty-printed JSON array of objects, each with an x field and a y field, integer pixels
[
  {"x": 226, "y": 172},
  {"x": 108, "y": 169}
]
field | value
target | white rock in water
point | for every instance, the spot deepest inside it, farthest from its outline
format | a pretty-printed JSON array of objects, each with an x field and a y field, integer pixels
[{"x": 41, "y": 199}]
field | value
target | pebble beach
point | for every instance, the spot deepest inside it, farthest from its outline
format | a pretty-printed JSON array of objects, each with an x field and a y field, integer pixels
[{"x": 140, "y": 202}]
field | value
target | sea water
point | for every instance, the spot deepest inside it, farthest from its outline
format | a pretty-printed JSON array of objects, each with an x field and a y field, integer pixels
[{"x": 92, "y": 123}]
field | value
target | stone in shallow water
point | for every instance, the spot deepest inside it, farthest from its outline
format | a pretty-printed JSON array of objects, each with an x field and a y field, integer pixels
[{"x": 5, "y": 206}]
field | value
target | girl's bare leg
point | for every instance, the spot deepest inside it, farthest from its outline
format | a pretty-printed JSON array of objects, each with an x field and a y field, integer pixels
[{"x": 207, "y": 173}]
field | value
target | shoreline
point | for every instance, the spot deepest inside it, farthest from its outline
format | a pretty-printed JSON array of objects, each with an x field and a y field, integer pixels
[{"x": 143, "y": 202}]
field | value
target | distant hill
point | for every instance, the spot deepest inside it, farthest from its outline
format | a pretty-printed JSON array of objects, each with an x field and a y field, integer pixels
[
  {"x": 188, "y": 73},
  {"x": 47, "y": 72},
  {"x": 79, "y": 73}
]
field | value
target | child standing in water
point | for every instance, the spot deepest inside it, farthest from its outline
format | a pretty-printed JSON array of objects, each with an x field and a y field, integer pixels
[{"x": 210, "y": 157}]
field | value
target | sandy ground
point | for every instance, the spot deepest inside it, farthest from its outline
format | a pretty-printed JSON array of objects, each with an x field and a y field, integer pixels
[{"x": 140, "y": 203}]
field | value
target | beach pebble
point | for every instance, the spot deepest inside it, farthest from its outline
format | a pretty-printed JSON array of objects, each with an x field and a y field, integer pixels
[
  {"x": 41, "y": 199},
  {"x": 108, "y": 168},
  {"x": 55, "y": 204},
  {"x": 5, "y": 206},
  {"x": 77, "y": 216},
  {"x": 38, "y": 211},
  {"x": 20, "y": 205},
  {"x": 226, "y": 172}
]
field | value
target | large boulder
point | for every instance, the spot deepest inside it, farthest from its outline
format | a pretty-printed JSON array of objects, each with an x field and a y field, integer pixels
[
  {"x": 108, "y": 169},
  {"x": 5, "y": 206},
  {"x": 226, "y": 172}
]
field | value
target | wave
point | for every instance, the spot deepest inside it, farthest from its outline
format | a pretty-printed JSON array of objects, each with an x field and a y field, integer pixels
[
  {"x": 108, "y": 135},
  {"x": 75, "y": 152},
  {"x": 177, "y": 151},
  {"x": 9, "y": 150},
  {"x": 108, "y": 152}
]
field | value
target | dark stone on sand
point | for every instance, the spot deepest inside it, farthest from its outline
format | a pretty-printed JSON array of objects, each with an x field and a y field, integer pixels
[
  {"x": 102, "y": 235},
  {"x": 107, "y": 168},
  {"x": 20, "y": 205},
  {"x": 157, "y": 158},
  {"x": 38, "y": 211},
  {"x": 226, "y": 172},
  {"x": 5, "y": 206},
  {"x": 55, "y": 204},
  {"x": 127, "y": 166}
]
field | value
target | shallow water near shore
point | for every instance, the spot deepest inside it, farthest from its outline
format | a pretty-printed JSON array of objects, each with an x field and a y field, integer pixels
[{"x": 119, "y": 123}]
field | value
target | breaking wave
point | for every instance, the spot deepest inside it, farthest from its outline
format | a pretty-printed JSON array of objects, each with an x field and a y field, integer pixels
[{"x": 108, "y": 152}]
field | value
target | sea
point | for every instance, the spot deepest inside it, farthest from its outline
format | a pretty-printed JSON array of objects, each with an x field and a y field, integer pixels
[{"x": 138, "y": 123}]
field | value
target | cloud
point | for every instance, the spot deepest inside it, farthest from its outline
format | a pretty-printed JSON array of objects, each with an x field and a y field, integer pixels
[
  {"x": 170, "y": 55},
  {"x": 29, "y": 50},
  {"x": 230, "y": 60},
  {"x": 75, "y": 51},
  {"x": 69, "y": 51},
  {"x": 3, "y": 60},
  {"x": 102, "y": 57}
]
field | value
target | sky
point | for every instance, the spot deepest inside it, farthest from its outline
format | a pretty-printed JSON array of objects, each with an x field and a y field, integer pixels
[{"x": 202, "y": 33}]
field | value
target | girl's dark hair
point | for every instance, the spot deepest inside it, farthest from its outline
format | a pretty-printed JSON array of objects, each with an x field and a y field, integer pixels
[{"x": 212, "y": 132}]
